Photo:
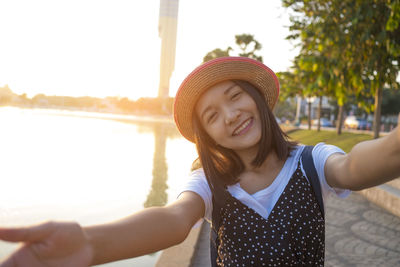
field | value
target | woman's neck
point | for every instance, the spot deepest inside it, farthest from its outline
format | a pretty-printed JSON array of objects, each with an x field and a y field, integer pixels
[{"x": 248, "y": 156}]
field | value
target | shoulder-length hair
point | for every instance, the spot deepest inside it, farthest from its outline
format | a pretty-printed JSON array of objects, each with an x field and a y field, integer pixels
[{"x": 222, "y": 165}]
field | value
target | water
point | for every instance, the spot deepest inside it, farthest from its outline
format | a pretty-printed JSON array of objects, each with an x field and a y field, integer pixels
[{"x": 55, "y": 166}]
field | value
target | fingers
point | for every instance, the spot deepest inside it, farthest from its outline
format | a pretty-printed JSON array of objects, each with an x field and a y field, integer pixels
[
  {"x": 27, "y": 234},
  {"x": 23, "y": 257}
]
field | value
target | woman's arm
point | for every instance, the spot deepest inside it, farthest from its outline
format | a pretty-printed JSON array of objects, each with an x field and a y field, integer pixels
[
  {"x": 147, "y": 231},
  {"x": 368, "y": 164},
  {"x": 68, "y": 244}
]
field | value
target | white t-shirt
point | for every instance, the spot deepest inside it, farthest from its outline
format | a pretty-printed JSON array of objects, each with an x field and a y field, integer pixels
[{"x": 264, "y": 200}]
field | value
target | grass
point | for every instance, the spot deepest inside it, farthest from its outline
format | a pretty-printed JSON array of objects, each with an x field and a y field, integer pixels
[{"x": 345, "y": 141}]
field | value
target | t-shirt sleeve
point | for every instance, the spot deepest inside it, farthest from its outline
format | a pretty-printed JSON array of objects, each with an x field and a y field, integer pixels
[
  {"x": 321, "y": 153},
  {"x": 197, "y": 183}
]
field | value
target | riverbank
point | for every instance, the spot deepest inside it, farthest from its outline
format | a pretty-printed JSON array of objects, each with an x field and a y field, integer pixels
[
  {"x": 112, "y": 168},
  {"x": 108, "y": 116},
  {"x": 96, "y": 115}
]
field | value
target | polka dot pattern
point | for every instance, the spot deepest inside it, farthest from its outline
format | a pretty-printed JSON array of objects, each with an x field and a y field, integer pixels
[{"x": 293, "y": 234}]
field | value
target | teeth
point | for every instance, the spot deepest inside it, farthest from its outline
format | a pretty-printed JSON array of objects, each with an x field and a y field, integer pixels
[{"x": 244, "y": 125}]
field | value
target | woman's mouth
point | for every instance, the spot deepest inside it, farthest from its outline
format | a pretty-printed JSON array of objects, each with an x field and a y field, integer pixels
[{"x": 243, "y": 127}]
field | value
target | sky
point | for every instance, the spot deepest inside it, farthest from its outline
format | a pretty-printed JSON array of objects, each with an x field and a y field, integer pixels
[{"x": 112, "y": 48}]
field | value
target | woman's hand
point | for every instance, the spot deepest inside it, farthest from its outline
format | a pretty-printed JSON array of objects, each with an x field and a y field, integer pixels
[
  {"x": 69, "y": 245},
  {"x": 49, "y": 244}
]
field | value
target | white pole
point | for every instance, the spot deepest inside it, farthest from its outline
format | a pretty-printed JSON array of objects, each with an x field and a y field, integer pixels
[{"x": 297, "y": 120}]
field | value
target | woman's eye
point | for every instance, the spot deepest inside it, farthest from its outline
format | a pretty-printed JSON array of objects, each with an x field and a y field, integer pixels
[
  {"x": 211, "y": 117},
  {"x": 235, "y": 95}
]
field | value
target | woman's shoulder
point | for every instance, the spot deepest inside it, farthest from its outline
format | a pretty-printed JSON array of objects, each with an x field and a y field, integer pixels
[
  {"x": 198, "y": 184},
  {"x": 197, "y": 178},
  {"x": 198, "y": 173},
  {"x": 295, "y": 152},
  {"x": 322, "y": 150}
]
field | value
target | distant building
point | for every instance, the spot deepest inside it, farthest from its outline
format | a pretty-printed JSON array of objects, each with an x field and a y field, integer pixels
[{"x": 167, "y": 28}]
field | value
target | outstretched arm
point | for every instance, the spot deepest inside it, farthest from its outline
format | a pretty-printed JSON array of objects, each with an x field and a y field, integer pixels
[
  {"x": 68, "y": 244},
  {"x": 368, "y": 164},
  {"x": 147, "y": 231}
]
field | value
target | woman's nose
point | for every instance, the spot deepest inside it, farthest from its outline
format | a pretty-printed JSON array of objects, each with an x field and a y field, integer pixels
[{"x": 231, "y": 116}]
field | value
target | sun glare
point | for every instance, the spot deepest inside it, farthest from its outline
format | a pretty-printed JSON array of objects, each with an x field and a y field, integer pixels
[{"x": 112, "y": 48}]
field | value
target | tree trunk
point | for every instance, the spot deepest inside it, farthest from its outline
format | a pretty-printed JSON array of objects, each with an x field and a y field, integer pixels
[
  {"x": 309, "y": 115},
  {"x": 339, "y": 121},
  {"x": 377, "y": 112},
  {"x": 319, "y": 114}
]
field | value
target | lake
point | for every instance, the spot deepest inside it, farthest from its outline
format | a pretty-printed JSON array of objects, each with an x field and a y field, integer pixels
[{"x": 86, "y": 167}]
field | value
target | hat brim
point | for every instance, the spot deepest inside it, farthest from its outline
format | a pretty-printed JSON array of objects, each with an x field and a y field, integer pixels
[{"x": 216, "y": 71}]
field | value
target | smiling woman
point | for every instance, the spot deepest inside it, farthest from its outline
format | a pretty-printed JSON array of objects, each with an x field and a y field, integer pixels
[
  {"x": 263, "y": 194},
  {"x": 233, "y": 115},
  {"x": 230, "y": 116}
]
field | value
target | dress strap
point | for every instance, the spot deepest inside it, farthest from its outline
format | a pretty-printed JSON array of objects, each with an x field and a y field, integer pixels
[
  {"x": 220, "y": 196},
  {"x": 309, "y": 167}
]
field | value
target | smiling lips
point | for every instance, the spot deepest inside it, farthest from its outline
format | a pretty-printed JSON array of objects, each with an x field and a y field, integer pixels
[{"x": 243, "y": 127}]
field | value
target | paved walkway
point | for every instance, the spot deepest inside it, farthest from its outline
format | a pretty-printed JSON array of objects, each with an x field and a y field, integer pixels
[{"x": 358, "y": 233}]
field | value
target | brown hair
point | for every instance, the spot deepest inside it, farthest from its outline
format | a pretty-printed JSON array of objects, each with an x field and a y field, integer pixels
[{"x": 222, "y": 165}]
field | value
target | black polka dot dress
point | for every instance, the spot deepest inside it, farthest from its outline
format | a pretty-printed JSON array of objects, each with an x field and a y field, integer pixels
[{"x": 293, "y": 234}]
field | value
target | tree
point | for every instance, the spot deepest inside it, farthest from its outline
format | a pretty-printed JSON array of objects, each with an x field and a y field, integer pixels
[
  {"x": 246, "y": 44},
  {"x": 290, "y": 88},
  {"x": 296, "y": 83},
  {"x": 319, "y": 60},
  {"x": 217, "y": 53},
  {"x": 359, "y": 41}
]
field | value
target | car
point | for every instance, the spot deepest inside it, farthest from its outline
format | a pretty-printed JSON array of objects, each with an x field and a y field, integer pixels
[
  {"x": 324, "y": 122},
  {"x": 353, "y": 122},
  {"x": 364, "y": 124}
]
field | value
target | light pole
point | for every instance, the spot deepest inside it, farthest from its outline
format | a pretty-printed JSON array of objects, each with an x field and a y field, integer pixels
[
  {"x": 310, "y": 100},
  {"x": 297, "y": 119}
]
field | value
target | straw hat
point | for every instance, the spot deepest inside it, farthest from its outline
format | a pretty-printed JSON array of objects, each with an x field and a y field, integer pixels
[{"x": 213, "y": 72}]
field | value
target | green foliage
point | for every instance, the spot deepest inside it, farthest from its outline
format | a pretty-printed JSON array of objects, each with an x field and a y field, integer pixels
[
  {"x": 145, "y": 105},
  {"x": 153, "y": 105},
  {"x": 246, "y": 44},
  {"x": 6, "y": 96},
  {"x": 216, "y": 53},
  {"x": 290, "y": 86},
  {"x": 394, "y": 17},
  {"x": 347, "y": 48},
  {"x": 285, "y": 109},
  {"x": 5, "y": 100}
]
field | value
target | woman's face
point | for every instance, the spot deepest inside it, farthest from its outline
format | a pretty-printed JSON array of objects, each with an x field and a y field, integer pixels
[{"x": 230, "y": 116}]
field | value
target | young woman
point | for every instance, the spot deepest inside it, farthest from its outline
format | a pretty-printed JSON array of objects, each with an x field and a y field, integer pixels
[{"x": 251, "y": 183}]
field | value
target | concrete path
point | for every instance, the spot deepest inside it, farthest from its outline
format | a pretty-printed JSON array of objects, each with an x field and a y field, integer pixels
[{"x": 358, "y": 233}]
